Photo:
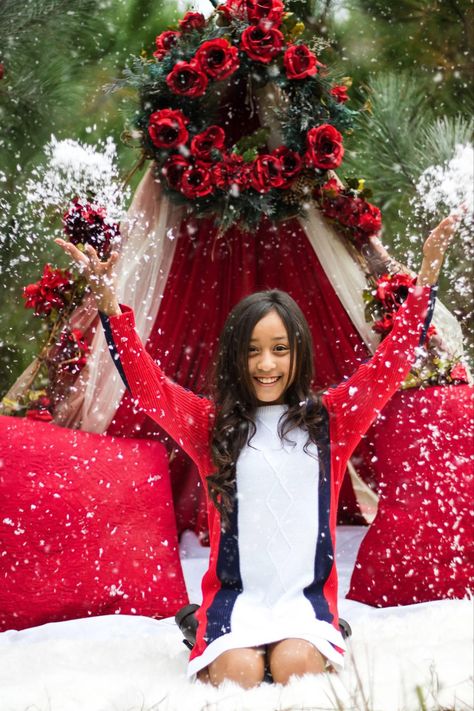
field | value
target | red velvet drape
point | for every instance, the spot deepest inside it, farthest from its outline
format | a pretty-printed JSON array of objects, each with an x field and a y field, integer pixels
[{"x": 208, "y": 276}]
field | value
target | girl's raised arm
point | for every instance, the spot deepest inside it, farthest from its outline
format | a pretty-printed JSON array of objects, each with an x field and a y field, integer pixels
[
  {"x": 186, "y": 417},
  {"x": 356, "y": 402}
]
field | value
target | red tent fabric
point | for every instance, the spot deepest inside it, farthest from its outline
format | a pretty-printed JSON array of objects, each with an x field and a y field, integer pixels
[{"x": 211, "y": 273}]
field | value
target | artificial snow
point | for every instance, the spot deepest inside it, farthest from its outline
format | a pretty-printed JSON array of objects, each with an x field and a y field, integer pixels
[
  {"x": 75, "y": 169},
  {"x": 126, "y": 663},
  {"x": 449, "y": 184}
]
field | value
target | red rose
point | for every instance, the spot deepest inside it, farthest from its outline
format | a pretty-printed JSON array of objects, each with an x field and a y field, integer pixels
[
  {"x": 262, "y": 44},
  {"x": 196, "y": 181},
  {"x": 369, "y": 218},
  {"x": 218, "y": 58},
  {"x": 300, "y": 62},
  {"x": 173, "y": 170},
  {"x": 233, "y": 8},
  {"x": 50, "y": 292},
  {"x": 167, "y": 128},
  {"x": 231, "y": 172},
  {"x": 205, "y": 143},
  {"x": 265, "y": 173},
  {"x": 192, "y": 21},
  {"x": 187, "y": 79},
  {"x": 291, "y": 164},
  {"x": 270, "y": 12},
  {"x": 324, "y": 147},
  {"x": 254, "y": 11},
  {"x": 459, "y": 373},
  {"x": 164, "y": 42},
  {"x": 86, "y": 223},
  {"x": 340, "y": 94}
]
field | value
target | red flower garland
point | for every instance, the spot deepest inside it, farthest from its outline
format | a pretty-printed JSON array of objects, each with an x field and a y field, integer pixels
[
  {"x": 355, "y": 213},
  {"x": 391, "y": 290},
  {"x": 197, "y": 162}
]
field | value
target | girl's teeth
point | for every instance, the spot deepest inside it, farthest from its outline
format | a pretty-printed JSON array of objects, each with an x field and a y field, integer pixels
[{"x": 267, "y": 381}]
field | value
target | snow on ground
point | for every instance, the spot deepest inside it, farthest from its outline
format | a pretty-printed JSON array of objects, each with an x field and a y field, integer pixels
[{"x": 125, "y": 663}]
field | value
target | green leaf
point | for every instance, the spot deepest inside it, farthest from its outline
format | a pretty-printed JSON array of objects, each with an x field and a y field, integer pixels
[
  {"x": 255, "y": 140},
  {"x": 249, "y": 155}
]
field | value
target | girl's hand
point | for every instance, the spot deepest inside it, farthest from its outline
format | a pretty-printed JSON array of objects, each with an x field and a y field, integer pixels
[
  {"x": 99, "y": 275},
  {"x": 435, "y": 248}
]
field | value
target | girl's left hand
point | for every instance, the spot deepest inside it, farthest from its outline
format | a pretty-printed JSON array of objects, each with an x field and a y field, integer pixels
[
  {"x": 436, "y": 245},
  {"x": 441, "y": 237}
]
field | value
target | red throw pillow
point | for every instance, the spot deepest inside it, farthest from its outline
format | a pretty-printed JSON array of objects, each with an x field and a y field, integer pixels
[
  {"x": 86, "y": 526},
  {"x": 420, "y": 545}
]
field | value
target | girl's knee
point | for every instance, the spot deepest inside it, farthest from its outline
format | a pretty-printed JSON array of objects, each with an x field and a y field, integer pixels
[
  {"x": 243, "y": 666},
  {"x": 294, "y": 657}
]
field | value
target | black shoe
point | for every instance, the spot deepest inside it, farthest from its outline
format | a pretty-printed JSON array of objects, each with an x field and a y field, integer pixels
[
  {"x": 345, "y": 628},
  {"x": 187, "y": 623}
]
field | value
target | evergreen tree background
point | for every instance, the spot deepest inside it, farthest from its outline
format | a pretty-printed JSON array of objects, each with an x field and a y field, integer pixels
[{"x": 410, "y": 62}]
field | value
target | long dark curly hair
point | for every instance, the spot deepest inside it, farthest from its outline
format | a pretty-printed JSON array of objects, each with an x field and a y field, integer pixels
[{"x": 234, "y": 394}]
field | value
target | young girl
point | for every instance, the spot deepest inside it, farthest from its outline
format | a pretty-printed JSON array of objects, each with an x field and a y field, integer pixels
[{"x": 272, "y": 456}]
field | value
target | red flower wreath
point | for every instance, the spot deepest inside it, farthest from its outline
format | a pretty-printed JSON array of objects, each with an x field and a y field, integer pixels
[{"x": 193, "y": 66}]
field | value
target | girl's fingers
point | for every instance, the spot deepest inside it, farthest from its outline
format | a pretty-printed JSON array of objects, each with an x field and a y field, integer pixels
[
  {"x": 93, "y": 256},
  {"x": 112, "y": 259},
  {"x": 73, "y": 252}
]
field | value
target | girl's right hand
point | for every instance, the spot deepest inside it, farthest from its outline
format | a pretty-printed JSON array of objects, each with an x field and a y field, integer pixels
[{"x": 99, "y": 275}]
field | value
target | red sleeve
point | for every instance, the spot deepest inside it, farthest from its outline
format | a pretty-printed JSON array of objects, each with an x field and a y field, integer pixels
[
  {"x": 186, "y": 417},
  {"x": 355, "y": 403}
]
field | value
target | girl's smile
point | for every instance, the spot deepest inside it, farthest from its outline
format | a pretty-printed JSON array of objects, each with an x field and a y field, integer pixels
[{"x": 269, "y": 359}]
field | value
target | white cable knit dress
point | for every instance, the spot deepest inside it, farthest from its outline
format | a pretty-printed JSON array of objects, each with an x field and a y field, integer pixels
[{"x": 277, "y": 491}]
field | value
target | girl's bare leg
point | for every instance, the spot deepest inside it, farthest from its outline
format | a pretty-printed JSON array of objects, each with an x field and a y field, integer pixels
[
  {"x": 294, "y": 656},
  {"x": 244, "y": 666}
]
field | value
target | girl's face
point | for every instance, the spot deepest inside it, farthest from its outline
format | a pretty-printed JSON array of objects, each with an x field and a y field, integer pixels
[{"x": 269, "y": 360}]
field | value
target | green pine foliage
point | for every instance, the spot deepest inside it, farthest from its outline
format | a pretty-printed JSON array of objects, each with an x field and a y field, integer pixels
[
  {"x": 57, "y": 58},
  {"x": 391, "y": 147}
]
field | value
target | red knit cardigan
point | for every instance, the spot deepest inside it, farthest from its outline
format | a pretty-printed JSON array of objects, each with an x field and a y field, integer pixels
[{"x": 350, "y": 409}]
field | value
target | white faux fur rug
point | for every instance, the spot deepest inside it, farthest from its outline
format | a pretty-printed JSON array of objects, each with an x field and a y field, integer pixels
[{"x": 124, "y": 663}]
